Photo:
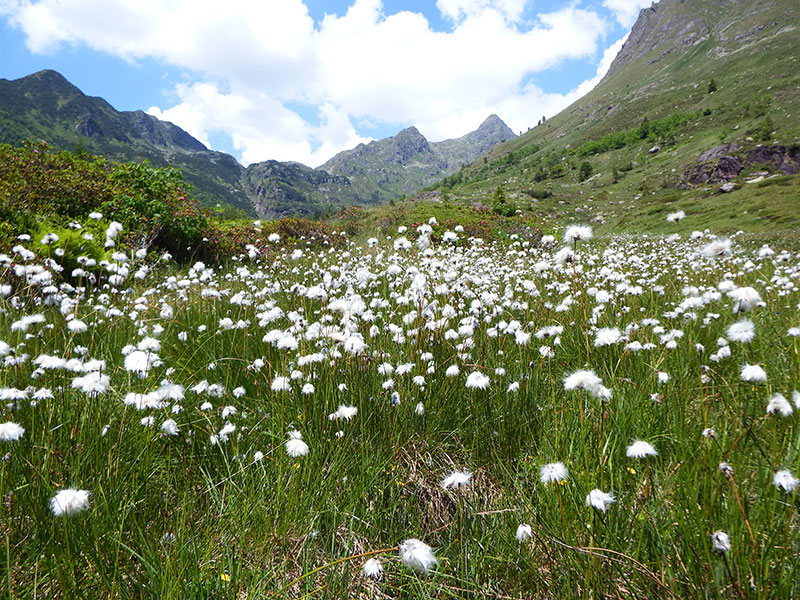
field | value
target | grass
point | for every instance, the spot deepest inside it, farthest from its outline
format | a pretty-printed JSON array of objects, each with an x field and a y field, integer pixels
[{"x": 201, "y": 515}]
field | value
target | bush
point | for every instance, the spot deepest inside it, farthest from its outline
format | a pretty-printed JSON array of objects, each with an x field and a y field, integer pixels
[{"x": 501, "y": 205}]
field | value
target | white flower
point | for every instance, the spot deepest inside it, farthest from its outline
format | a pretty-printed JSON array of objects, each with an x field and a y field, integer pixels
[
  {"x": 582, "y": 380},
  {"x": 170, "y": 427},
  {"x": 10, "y": 432},
  {"x": 553, "y": 473},
  {"x": 69, "y": 502},
  {"x": 779, "y": 404},
  {"x": 577, "y": 233},
  {"x": 457, "y": 479},
  {"x": 452, "y": 371},
  {"x": 343, "y": 412},
  {"x": 640, "y": 449},
  {"x": 745, "y": 297},
  {"x": 599, "y": 499},
  {"x": 372, "y": 568},
  {"x": 417, "y": 555},
  {"x": 419, "y": 409},
  {"x": 719, "y": 248},
  {"x": 741, "y": 331},
  {"x": 785, "y": 481},
  {"x": 477, "y": 380},
  {"x": 607, "y": 336},
  {"x": 720, "y": 541},
  {"x": 524, "y": 532},
  {"x": 141, "y": 362},
  {"x": 753, "y": 373},
  {"x": 295, "y": 446},
  {"x": 281, "y": 384}
]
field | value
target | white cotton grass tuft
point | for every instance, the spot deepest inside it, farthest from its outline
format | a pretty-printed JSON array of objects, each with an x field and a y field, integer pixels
[
  {"x": 640, "y": 449},
  {"x": 742, "y": 331},
  {"x": 11, "y": 432},
  {"x": 170, "y": 427},
  {"x": 343, "y": 412},
  {"x": 69, "y": 502},
  {"x": 553, "y": 473},
  {"x": 524, "y": 533},
  {"x": 720, "y": 541},
  {"x": 779, "y": 404},
  {"x": 599, "y": 499},
  {"x": 784, "y": 480},
  {"x": 753, "y": 374},
  {"x": 587, "y": 380},
  {"x": 457, "y": 479},
  {"x": 577, "y": 233},
  {"x": 295, "y": 446},
  {"x": 372, "y": 569},
  {"x": 745, "y": 298},
  {"x": 719, "y": 248},
  {"x": 417, "y": 555},
  {"x": 477, "y": 380},
  {"x": 280, "y": 384},
  {"x": 607, "y": 336}
]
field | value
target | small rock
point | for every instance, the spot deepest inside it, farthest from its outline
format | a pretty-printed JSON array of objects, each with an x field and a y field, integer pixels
[
  {"x": 727, "y": 187},
  {"x": 654, "y": 149}
]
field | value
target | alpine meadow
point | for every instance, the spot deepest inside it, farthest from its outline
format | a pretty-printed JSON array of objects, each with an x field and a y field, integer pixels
[{"x": 564, "y": 364}]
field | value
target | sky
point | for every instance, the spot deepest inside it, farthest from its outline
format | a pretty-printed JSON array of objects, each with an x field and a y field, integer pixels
[{"x": 304, "y": 79}]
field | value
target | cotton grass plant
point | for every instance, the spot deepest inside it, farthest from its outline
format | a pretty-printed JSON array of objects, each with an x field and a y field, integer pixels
[{"x": 381, "y": 419}]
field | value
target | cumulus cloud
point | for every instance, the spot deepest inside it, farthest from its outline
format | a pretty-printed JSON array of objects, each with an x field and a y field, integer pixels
[
  {"x": 626, "y": 11},
  {"x": 251, "y": 61}
]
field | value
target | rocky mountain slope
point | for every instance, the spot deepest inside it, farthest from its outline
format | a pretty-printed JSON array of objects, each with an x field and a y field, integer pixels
[
  {"x": 369, "y": 173},
  {"x": 47, "y": 106},
  {"x": 703, "y": 92}
]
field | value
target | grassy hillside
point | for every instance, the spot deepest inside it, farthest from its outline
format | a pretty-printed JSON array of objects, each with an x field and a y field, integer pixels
[{"x": 693, "y": 76}]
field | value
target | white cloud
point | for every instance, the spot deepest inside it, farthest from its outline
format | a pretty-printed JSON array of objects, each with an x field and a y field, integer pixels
[
  {"x": 458, "y": 9},
  {"x": 253, "y": 59},
  {"x": 626, "y": 11}
]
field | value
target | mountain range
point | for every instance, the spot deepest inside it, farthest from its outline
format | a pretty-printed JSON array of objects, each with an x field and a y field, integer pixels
[
  {"x": 698, "y": 113},
  {"x": 45, "y": 106}
]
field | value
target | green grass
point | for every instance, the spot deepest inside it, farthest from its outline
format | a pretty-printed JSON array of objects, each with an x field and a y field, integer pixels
[{"x": 182, "y": 517}]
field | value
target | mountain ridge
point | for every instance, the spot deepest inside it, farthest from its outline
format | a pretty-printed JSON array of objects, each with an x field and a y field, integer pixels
[{"x": 45, "y": 105}]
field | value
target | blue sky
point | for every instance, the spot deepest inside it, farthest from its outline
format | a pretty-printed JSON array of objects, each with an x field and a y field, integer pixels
[{"x": 304, "y": 79}]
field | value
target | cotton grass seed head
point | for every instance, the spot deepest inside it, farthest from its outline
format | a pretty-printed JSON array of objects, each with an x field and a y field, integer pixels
[
  {"x": 372, "y": 569},
  {"x": 295, "y": 446},
  {"x": 457, "y": 479},
  {"x": 784, "y": 480},
  {"x": 524, "y": 532},
  {"x": 720, "y": 541},
  {"x": 753, "y": 374},
  {"x": 599, "y": 499},
  {"x": 417, "y": 555},
  {"x": 10, "y": 432},
  {"x": 69, "y": 502},
  {"x": 640, "y": 449},
  {"x": 553, "y": 473}
]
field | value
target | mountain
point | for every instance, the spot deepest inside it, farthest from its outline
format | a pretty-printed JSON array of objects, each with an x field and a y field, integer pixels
[
  {"x": 369, "y": 173},
  {"x": 702, "y": 93},
  {"x": 47, "y": 106}
]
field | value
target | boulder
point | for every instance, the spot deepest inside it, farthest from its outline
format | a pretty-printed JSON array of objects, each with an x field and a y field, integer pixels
[{"x": 727, "y": 187}]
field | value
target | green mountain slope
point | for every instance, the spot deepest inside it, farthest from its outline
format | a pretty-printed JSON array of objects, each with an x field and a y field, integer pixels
[
  {"x": 703, "y": 93},
  {"x": 368, "y": 174},
  {"x": 47, "y": 106}
]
